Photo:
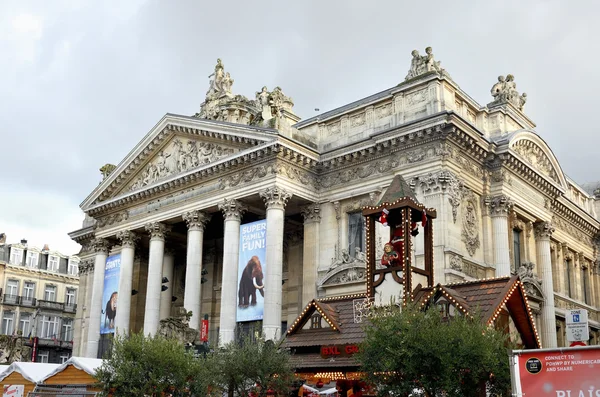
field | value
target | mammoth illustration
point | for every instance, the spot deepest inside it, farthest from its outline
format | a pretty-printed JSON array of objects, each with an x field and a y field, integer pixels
[
  {"x": 111, "y": 311},
  {"x": 252, "y": 280}
]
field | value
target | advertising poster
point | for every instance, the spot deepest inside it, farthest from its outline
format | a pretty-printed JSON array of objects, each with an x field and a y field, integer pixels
[
  {"x": 110, "y": 294},
  {"x": 13, "y": 390},
  {"x": 252, "y": 271},
  {"x": 568, "y": 372}
]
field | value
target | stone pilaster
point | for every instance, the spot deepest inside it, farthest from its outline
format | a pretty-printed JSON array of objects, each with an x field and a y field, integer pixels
[
  {"x": 167, "y": 272},
  {"x": 312, "y": 220},
  {"x": 499, "y": 208},
  {"x": 128, "y": 242},
  {"x": 543, "y": 232},
  {"x": 101, "y": 248},
  {"x": 233, "y": 211},
  {"x": 158, "y": 232},
  {"x": 275, "y": 199},
  {"x": 196, "y": 221}
]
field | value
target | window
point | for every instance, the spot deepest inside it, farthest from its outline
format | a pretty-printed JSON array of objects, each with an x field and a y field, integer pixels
[
  {"x": 586, "y": 283},
  {"x": 49, "y": 327},
  {"x": 568, "y": 270},
  {"x": 28, "y": 293},
  {"x": 50, "y": 293},
  {"x": 73, "y": 267},
  {"x": 12, "y": 289},
  {"x": 64, "y": 357},
  {"x": 70, "y": 298},
  {"x": 16, "y": 256},
  {"x": 53, "y": 263},
  {"x": 43, "y": 356},
  {"x": 516, "y": 249},
  {"x": 7, "y": 322},
  {"x": 67, "y": 330},
  {"x": 356, "y": 233},
  {"x": 25, "y": 324},
  {"x": 315, "y": 322},
  {"x": 32, "y": 259}
]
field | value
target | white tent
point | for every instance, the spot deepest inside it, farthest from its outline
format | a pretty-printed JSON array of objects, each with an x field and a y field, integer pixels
[
  {"x": 329, "y": 391},
  {"x": 33, "y": 372},
  {"x": 88, "y": 365}
]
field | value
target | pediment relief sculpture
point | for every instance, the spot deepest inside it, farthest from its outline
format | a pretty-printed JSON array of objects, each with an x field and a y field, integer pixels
[
  {"x": 178, "y": 156},
  {"x": 345, "y": 268},
  {"x": 536, "y": 157}
]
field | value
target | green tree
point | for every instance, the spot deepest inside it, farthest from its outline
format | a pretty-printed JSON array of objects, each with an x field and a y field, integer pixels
[
  {"x": 407, "y": 349},
  {"x": 153, "y": 366},
  {"x": 253, "y": 367}
]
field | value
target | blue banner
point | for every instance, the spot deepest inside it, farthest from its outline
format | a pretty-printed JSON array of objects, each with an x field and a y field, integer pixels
[
  {"x": 110, "y": 294},
  {"x": 252, "y": 271}
]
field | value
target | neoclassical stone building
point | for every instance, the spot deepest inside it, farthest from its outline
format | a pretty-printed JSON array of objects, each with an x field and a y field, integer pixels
[{"x": 174, "y": 205}]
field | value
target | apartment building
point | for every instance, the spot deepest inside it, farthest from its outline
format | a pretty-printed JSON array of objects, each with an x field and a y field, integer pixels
[{"x": 38, "y": 302}]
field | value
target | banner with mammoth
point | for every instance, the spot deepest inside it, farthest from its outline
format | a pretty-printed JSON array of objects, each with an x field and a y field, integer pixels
[{"x": 252, "y": 271}]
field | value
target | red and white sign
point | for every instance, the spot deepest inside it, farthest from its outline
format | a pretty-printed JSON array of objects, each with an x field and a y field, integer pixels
[
  {"x": 204, "y": 331},
  {"x": 566, "y": 372},
  {"x": 13, "y": 390}
]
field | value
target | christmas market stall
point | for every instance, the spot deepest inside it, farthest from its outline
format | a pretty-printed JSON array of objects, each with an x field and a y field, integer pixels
[
  {"x": 23, "y": 377},
  {"x": 76, "y": 374}
]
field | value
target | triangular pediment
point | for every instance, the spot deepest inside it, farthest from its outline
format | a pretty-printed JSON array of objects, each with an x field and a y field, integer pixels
[
  {"x": 328, "y": 318},
  {"x": 176, "y": 146}
]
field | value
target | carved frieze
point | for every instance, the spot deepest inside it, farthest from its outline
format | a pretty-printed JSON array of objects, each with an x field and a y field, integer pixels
[
  {"x": 112, "y": 219},
  {"x": 571, "y": 230},
  {"x": 456, "y": 262},
  {"x": 535, "y": 156},
  {"x": 470, "y": 222},
  {"x": 384, "y": 111},
  {"x": 417, "y": 98},
  {"x": 358, "y": 120},
  {"x": 294, "y": 173},
  {"x": 180, "y": 155}
]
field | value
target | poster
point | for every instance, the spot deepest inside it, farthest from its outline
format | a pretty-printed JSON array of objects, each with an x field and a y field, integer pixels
[
  {"x": 566, "y": 372},
  {"x": 110, "y": 294},
  {"x": 252, "y": 271},
  {"x": 13, "y": 391}
]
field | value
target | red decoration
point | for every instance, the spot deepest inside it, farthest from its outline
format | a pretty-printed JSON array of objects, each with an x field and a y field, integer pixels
[
  {"x": 319, "y": 384},
  {"x": 390, "y": 256},
  {"x": 424, "y": 218},
  {"x": 383, "y": 217},
  {"x": 204, "y": 331}
]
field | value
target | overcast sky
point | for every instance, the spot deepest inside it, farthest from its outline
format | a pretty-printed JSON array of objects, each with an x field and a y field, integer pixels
[{"x": 81, "y": 82}]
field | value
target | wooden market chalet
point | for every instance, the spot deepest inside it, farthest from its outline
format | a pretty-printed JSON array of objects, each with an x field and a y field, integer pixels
[{"x": 326, "y": 335}]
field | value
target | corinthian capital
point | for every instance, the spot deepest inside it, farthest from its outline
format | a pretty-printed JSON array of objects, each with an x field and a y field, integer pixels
[
  {"x": 196, "y": 220},
  {"x": 157, "y": 230},
  {"x": 499, "y": 205},
  {"x": 543, "y": 230},
  {"x": 101, "y": 246},
  {"x": 232, "y": 209},
  {"x": 275, "y": 197},
  {"x": 128, "y": 238},
  {"x": 311, "y": 213}
]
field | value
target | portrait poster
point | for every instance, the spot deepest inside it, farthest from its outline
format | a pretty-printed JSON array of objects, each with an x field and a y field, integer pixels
[
  {"x": 110, "y": 294},
  {"x": 252, "y": 271}
]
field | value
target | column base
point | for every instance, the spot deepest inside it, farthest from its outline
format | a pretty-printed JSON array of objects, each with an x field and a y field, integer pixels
[{"x": 272, "y": 333}]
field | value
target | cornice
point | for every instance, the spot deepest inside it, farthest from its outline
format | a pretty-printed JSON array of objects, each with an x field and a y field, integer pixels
[
  {"x": 545, "y": 184},
  {"x": 583, "y": 222},
  {"x": 25, "y": 271}
]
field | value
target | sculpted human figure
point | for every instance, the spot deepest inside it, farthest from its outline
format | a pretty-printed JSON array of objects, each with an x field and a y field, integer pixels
[
  {"x": 227, "y": 83},
  {"x": 216, "y": 83},
  {"x": 499, "y": 89},
  {"x": 263, "y": 99},
  {"x": 415, "y": 65},
  {"x": 429, "y": 61}
]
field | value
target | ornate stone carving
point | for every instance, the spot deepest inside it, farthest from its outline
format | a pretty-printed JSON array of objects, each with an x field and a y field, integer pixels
[
  {"x": 178, "y": 328},
  {"x": 346, "y": 268},
  {"x": 416, "y": 98},
  {"x": 423, "y": 64},
  {"x": 535, "y": 156},
  {"x": 220, "y": 83},
  {"x": 446, "y": 181},
  {"x": 157, "y": 230},
  {"x": 232, "y": 209},
  {"x": 106, "y": 170},
  {"x": 112, "y": 219},
  {"x": 312, "y": 213},
  {"x": 128, "y": 238},
  {"x": 86, "y": 266},
  {"x": 456, "y": 262},
  {"x": 499, "y": 205},
  {"x": 543, "y": 230},
  {"x": 348, "y": 275},
  {"x": 505, "y": 91},
  {"x": 101, "y": 246},
  {"x": 294, "y": 173},
  {"x": 195, "y": 220},
  {"x": 470, "y": 222},
  {"x": 180, "y": 157},
  {"x": 531, "y": 282},
  {"x": 275, "y": 197},
  {"x": 271, "y": 105}
]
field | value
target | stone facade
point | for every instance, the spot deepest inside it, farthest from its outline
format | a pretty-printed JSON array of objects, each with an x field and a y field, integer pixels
[{"x": 503, "y": 203}]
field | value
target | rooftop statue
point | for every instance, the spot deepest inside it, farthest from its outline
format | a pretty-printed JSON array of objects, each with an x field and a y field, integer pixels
[
  {"x": 220, "y": 82},
  {"x": 424, "y": 64},
  {"x": 505, "y": 91}
]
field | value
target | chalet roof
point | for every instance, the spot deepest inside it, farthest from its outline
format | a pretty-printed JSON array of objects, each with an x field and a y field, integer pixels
[
  {"x": 397, "y": 190},
  {"x": 489, "y": 296},
  {"x": 340, "y": 313}
]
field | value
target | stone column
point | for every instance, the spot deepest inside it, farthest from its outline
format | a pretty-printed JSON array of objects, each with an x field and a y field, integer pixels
[
  {"x": 165, "y": 296},
  {"x": 499, "y": 208},
  {"x": 101, "y": 247},
  {"x": 157, "y": 232},
  {"x": 312, "y": 219},
  {"x": 196, "y": 220},
  {"x": 233, "y": 211},
  {"x": 543, "y": 232},
  {"x": 275, "y": 200},
  {"x": 128, "y": 242}
]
